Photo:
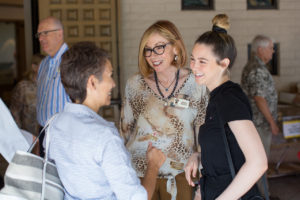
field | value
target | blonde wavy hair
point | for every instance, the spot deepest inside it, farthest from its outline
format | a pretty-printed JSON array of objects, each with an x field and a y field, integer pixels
[{"x": 169, "y": 31}]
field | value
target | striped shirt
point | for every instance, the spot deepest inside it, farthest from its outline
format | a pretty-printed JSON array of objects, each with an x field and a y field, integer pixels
[
  {"x": 51, "y": 95},
  {"x": 90, "y": 156}
]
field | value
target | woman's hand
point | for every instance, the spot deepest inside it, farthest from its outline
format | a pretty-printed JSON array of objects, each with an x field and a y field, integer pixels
[
  {"x": 274, "y": 128},
  {"x": 191, "y": 168},
  {"x": 155, "y": 157}
]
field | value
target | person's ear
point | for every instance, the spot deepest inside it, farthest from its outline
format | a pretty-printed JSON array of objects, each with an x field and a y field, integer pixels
[
  {"x": 259, "y": 51},
  {"x": 91, "y": 83},
  {"x": 225, "y": 63},
  {"x": 175, "y": 50}
]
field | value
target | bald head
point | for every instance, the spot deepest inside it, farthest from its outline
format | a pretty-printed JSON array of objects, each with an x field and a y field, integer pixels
[
  {"x": 50, "y": 34},
  {"x": 53, "y": 20}
]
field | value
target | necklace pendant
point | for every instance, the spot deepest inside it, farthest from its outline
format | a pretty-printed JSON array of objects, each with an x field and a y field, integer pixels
[{"x": 167, "y": 89}]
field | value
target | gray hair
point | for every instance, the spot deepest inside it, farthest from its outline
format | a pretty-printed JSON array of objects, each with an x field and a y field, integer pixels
[
  {"x": 58, "y": 23},
  {"x": 260, "y": 41},
  {"x": 53, "y": 20}
]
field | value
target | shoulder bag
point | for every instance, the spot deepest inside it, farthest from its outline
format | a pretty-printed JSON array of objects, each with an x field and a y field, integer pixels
[{"x": 30, "y": 177}]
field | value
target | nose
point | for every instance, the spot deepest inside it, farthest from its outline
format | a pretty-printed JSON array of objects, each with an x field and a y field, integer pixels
[
  {"x": 113, "y": 84},
  {"x": 192, "y": 65},
  {"x": 41, "y": 38}
]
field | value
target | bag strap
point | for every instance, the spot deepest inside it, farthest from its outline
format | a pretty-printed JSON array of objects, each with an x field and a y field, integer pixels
[
  {"x": 41, "y": 132},
  {"x": 36, "y": 139},
  {"x": 227, "y": 150},
  {"x": 48, "y": 136},
  {"x": 229, "y": 158},
  {"x": 264, "y": 181},
  {"x": 228, "y": 154},
  {"x": 47, "y": 128}
]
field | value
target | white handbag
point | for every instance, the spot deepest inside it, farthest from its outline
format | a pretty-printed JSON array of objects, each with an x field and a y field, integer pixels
[{"x": 30, "y": 177}]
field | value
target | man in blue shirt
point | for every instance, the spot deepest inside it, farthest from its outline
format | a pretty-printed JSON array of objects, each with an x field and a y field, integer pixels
[
  {"x": 51, "y": 95},
  {"x": 88, "y": 151}
]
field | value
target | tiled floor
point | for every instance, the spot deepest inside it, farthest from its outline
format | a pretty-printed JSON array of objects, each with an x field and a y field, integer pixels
[{"x": 285, "y": 188}]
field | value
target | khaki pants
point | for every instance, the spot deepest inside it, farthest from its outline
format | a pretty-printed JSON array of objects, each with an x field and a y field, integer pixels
[
  {"x": 266, "y": 138},
  {"x": 184, "y": 191}
]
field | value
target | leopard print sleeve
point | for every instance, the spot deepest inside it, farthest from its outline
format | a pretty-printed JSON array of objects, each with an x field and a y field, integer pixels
[
  {"x": 127, "y": 121},
  {"x": 201, "y": 104}
]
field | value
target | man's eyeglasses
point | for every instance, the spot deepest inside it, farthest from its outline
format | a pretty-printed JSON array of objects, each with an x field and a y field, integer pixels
[
  {"x": 44, "y": 33},
  {"x": 158, "y": 50}
]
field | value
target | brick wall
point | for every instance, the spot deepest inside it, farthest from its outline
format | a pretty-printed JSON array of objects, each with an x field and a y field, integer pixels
[{"x": 283, "y": 25}]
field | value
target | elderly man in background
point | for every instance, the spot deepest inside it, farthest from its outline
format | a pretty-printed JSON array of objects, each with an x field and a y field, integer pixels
[
  {"x": 258, "y": 84},
  {"x": 51, "y": 95}
]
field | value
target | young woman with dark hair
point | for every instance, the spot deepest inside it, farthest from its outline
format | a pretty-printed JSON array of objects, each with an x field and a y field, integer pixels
[{"x": 228, "y": 112}]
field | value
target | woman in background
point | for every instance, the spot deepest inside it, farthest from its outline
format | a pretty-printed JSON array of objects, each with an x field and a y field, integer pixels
[
  {"x": 23, "y": 99},
  {"x": 228, "y": 109}
]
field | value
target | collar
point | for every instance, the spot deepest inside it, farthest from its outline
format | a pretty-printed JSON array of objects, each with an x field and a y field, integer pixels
[
  {"x": 259, "y": 60},
  {"x": 59, "y": 53},
  {"x": 87, "y": 112}
]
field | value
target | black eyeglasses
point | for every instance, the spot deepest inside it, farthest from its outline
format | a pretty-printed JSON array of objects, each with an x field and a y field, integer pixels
[
  {"x": 158, "y": 50},
  {"x": 44, "y": 33}
]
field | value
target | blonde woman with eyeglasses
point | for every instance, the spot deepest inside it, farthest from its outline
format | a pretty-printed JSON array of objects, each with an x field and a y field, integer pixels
[{"x": 163, "y": 105}]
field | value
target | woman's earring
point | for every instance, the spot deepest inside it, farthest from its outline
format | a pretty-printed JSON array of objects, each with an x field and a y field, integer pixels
[{"x": 176, "y": 57}]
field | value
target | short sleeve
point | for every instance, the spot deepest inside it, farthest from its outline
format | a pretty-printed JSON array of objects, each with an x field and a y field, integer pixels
[
  {"x": 257, "y": 85},
  {"x": 234, "y": 105},
  {"x": 201, "y": 106}
]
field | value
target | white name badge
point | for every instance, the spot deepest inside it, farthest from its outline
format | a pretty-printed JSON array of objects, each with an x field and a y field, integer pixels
[{"x": 180, "y": 103}]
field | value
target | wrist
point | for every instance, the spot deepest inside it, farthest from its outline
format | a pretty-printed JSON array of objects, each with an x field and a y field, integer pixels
[
  {"x": 196, "y": 155},
  {"x": 153, "y": 167},
  {"x": 271, "y": 121}
]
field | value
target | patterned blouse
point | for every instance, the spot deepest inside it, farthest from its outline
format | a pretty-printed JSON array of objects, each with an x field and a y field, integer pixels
[
  {"x": 23, "y": 106},
  {"x": 146, "y": 117}
]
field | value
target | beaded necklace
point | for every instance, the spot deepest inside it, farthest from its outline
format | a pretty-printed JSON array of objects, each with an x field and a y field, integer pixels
[
  {"x": 167, "y": 88},
  {"x": 175, "y": 86}
]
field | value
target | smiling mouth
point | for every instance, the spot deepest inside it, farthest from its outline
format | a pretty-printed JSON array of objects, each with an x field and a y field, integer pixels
[
  {"x": 198, "y": 75},
  {"x": 156, "y": 63}
]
